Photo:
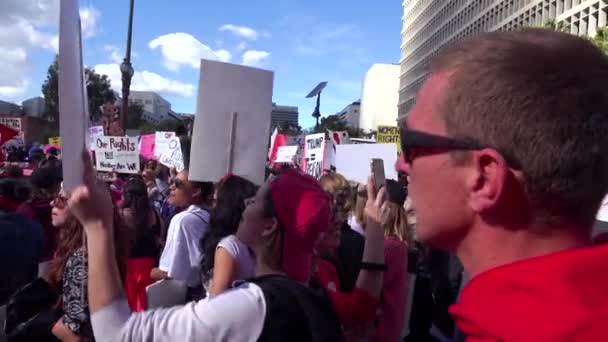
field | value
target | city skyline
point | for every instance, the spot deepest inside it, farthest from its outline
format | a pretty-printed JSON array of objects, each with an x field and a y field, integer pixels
[{"x": 302, "y": 42}]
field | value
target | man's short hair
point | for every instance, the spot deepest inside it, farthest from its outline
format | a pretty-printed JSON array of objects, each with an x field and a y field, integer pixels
[{"x": 541, "y": 98}]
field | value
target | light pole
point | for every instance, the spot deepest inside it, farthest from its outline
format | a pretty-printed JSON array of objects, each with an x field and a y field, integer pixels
[
  {"x": 127, "y": 72},
  {"x": 317, "y": 92}
]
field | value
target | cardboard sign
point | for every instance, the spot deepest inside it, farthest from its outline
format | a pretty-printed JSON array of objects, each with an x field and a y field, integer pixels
[
  {"x": 286, "y": 154},
  {"x": 146, "y": 146},
  {"x": 314, "y": 153},
  {"x": 389, "y": 135},
  {"x": 173, "y": 158},
  {"x": 94, "y": 133},
  {"x": 73, "y": 107},
  {"x": 353, "y": 161},
  {"x": 232, "y": 122},
  {"x": 55, "y": 141},
  {"x": 161, "y": 143},
  {"x": 118, "y": 154},
  {"x": 339, "y": 137}
]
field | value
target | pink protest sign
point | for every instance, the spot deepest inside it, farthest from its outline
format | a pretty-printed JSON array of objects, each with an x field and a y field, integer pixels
[{"x": 146, "y": 146}]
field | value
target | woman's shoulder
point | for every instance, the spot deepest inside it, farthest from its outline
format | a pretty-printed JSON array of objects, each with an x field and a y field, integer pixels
[{"x": 232, "y": 244}]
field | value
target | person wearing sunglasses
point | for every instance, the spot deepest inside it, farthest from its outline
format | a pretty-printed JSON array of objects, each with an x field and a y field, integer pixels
[
  {"x": 506, "y": 150},
  {"x": 282, "y": 225},
  {"x": 181, "y": 257},
  {"x": 69, "y": 274}
]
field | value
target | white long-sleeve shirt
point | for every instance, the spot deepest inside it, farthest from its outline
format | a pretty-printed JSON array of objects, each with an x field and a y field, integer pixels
[{"x": 236, "y": 316}]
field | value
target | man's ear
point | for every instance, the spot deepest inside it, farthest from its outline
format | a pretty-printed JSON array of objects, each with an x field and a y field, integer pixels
[
  {"x": 271, "y": 225},
  {"x": 488, "y": 177}
]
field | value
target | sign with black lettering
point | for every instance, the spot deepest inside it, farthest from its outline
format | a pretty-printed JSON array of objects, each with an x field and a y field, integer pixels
[
  {"x": 118, "y": 154},
  {"x": 314, "y": 152},
  {"x": 389, "y": 135}
]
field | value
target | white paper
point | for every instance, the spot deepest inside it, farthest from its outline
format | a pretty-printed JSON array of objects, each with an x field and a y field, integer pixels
[
  {"x": 117, "y": 154},
  {"x": 286, "y": 154},
  {"x": 353, "y": 160},
  {"x": 314, "y": 153},
  {"x": 602, "y": 214},
  {"x": 172, "y": 157},
  {"x": 73, "y": 118},
  {"x": 94, "y": 133},
  {"x": 161, "y": 143},
  {"x": 227, "y": 91}
]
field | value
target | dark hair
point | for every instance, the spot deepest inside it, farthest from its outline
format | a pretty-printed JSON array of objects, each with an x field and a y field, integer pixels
[
  {"x": 225, "y": 216},
  {"x": 71, "y": 237},
  {"x": 135, "y": 197},
  {"x": 186, "y": 145},
  {"x": 540, "y": 97},
  {"x": 206, "y": 188},
  {"x": 14, "y": 190}
]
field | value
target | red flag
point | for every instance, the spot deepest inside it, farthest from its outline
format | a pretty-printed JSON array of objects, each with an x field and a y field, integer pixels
[
  {"x": 280, "y": 140},
  {"x": 6, "y": 134}
]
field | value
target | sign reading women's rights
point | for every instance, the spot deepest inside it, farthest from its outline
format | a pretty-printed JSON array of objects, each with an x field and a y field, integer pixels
[
  {"x": 118, "y": 154},
  {"x": 314, "y": 152}
]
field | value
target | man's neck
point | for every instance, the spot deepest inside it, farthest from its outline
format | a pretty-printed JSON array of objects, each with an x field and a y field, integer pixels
[{"x": 490, "y": 247}]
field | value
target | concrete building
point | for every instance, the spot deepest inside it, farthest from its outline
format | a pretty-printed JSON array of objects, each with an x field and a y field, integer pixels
[
  {"x": 379, "y": 97},
  {"x": 9, "y": 109},
  {"x": 351, "y": 114},
  {"x": 34, "y": 107},
  {"x": 429, "y": 25},
  {"x": 282, "y": 115},
  {"x": 156, "y": 108}
]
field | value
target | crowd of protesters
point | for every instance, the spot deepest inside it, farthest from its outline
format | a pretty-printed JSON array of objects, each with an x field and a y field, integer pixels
[{"x": 485, "y": 236}]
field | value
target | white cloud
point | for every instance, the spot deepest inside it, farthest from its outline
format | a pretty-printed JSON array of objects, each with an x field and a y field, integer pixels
[
  {"x": 242, "y": 46},
  {"x": 89, "y": 17},
  {"x": 26, "y": 25},
  {"x": 146, "y": 81},
  {"x": 115, "y": 56},
  {"x": 254, "y": 57},
  {"x": 240, "y": 31},
  {"x": 183, "y": 49}
]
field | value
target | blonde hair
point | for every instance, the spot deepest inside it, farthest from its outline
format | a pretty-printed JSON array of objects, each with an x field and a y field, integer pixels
[
  {"x": 360, "y": 201},
  {"x": 394, "y": 220},
  {"x": 334, "y": 183}
]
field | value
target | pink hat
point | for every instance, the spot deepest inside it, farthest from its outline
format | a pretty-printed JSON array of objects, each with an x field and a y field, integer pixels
[{"x": 303, "y": 211}]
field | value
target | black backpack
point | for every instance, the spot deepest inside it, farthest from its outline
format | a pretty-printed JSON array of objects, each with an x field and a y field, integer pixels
[{"x": 297, "y": 313}]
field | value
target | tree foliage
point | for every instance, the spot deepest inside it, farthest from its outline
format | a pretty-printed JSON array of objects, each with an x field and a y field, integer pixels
[
  {"x": 600, "y": 39},
  {"x": 98, "y": 90}
]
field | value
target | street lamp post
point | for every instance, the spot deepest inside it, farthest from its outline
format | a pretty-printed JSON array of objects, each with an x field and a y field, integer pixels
[
  {"x": 127, "y": 72},
  {"x": 316, "y": 91}
]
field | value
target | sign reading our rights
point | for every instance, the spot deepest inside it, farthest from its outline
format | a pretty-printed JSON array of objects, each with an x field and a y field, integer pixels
[{"x": 118, "y": 154}]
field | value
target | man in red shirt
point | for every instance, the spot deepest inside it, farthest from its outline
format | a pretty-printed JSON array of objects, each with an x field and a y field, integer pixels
[{"x": 506, "y": 150}]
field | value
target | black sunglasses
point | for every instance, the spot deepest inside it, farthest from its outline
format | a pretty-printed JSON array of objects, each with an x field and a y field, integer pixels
[{"x": 413, "y": 139}]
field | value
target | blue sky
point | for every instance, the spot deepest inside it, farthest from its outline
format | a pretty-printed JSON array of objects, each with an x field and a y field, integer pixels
[{"x": 303, "y": 42}]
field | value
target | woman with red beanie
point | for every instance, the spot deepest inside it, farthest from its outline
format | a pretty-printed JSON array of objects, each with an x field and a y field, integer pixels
[{"x": 282, "y": 226}]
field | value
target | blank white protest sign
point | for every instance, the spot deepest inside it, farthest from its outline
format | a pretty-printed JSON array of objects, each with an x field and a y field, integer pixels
[
  {"x": 353, "y": 160},
  {"x": 232, "y": 122},
  {"x": 73, "y": 107}
]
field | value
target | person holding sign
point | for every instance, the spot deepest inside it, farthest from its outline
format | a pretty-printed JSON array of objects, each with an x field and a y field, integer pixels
[{"x": 282, "y": 225}]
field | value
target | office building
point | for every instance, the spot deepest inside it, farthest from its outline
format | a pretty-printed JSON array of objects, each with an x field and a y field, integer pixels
[
  {"x": 350, "y": 114},
  {"x": 379, "y": 97},
  {"x": 156, "y": 108},
  {"x": 283, "y": 116},
  {"x": 34, "y": 107},
  {"x": 429, "y": 25}
]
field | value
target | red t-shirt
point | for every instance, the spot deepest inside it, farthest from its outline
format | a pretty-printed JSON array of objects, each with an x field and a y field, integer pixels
[
  {"x": 556, "y": 297},
  {"x": 353, "y": 309}
]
